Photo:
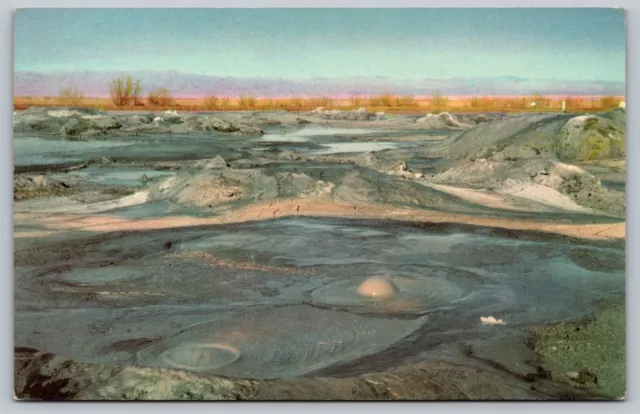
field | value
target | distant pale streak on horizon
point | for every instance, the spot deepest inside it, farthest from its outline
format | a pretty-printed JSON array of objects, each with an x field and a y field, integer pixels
[{"x": 572, "y": 44}]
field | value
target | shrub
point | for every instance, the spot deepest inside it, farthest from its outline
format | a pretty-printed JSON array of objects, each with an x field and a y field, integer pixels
[
  {"x": 438, "y": 101},
  {"x": 608, "y": 102},
  {"x": 541, "y": 101},
  {"x": 125, "y": 92},
  {"x": 322, "y": 101},
  {"x": 406, "y": 100},
  {"x": 247, "y": 101},
  {"x": 211, "y": 102},
  {"x": 70, "y": 96},
  {"x": 160, "y": 97},
  {"x": 356, "y": 101},
  {"x": 385, "y": 99}
]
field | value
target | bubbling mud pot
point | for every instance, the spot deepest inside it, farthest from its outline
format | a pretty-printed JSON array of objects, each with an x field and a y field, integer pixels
[
  {"x": 392, "y": 295},
  {"x": 377, "y": 287},
  {"x": 291, "y": 297}
]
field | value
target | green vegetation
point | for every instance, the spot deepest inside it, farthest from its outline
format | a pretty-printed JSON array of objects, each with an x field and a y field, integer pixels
[
  {"x": 590, "y": 124},
  {"x": 20, "y": 193},
  {"x": 595, "y": 146},
  {"x": 125, "y": 92},
  {"x": 118, "y": 191},
  {"x": 589, "y": 355}
]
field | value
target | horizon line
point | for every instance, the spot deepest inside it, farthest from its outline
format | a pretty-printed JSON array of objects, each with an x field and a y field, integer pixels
[{"x": 123, "y": 71}]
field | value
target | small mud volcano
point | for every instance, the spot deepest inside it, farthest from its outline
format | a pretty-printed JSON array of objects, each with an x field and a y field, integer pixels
[
  {"x": 377, "y": 287},
  {"x": 391, "y": 295},
  {"x": 201, "y": 357},
  {"x": 281, "y": 342},
  {"x": 285, "y": 298}
]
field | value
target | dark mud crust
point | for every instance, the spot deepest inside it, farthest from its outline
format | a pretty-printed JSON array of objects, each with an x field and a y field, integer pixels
[{"x": 44, "y": 376}]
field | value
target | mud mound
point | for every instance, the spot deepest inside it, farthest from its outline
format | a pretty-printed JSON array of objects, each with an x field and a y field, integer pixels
[
  {"x": 337, "y": 115},
  {"x": 538, "y": 179},
  {"x": 443, "y": 120},
  {"x": 26, "y": 187},
  {"x": 85, "y": 122},
  {"x": 213, "y": 124},
  {"x": 210, "y": 189},
  {"x": 403, "y": 295},
  {"x": 216, "y": 163},
  {"x": 619, "y": 116},
  {"x": 562, "y": 136},
  {"x": 201, "y": 190},
  {"x": 273, "y": 344},
  {"x": 480, "y": 118},
  {"x": 38, "y": 181}
]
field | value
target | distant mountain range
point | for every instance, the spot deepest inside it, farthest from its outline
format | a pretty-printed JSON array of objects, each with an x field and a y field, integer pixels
[{"x": 96, "y": 83}]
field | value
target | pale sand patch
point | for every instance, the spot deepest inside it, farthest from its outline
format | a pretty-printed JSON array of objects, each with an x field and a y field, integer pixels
[
  {"x": 544, "y": 195},
  {"x": 481, "y": 197},
  {"x": 34, "y": 233},
  {"x": 135, "y": 199},
  {"x": 316, "y": 207}
]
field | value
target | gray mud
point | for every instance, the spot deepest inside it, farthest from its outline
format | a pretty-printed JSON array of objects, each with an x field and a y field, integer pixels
[
  {"x": 272, "y": 308},
  {"x": 252, "y": 300}
]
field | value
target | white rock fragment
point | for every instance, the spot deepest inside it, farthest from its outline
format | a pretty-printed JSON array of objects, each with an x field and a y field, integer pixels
[{"x": 490, "y": 320}]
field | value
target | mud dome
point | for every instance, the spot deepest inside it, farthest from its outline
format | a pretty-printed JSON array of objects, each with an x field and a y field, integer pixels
[
  {"x": 398, "y": 295},
  {"x": 274, "y": 299},
  {"x": 279, "y": 343}
]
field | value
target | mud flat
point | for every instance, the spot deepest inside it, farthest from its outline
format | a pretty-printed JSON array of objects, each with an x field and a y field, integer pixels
[{"x": 342, "y": 257}]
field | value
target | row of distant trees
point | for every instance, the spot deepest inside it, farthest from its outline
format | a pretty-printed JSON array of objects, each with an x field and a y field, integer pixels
[
  {"x": 123, "y": 92},
  {"x": 539, "y": 101},
  {"x": 126, "y": 92}
]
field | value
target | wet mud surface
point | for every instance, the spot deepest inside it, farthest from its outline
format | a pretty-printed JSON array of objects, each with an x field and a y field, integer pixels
[{"x": 261, "y": 295}]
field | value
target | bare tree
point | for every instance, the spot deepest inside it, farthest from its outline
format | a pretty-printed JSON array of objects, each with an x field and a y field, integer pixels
[{"x": 125, "y": 92}]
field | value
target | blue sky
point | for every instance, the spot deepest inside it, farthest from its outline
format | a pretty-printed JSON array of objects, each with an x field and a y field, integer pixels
[{"x": 568, "y": 44}]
